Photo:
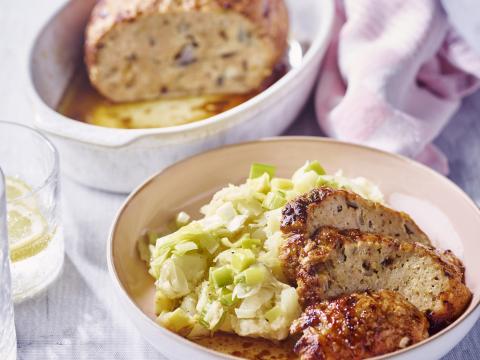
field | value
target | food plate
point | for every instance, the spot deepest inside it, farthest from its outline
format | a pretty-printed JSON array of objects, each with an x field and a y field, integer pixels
[
  {"x": 118, "y": 159},
  {"x": 445, "y": 213}
]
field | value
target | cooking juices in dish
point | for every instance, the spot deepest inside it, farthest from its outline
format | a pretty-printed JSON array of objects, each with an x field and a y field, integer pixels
[
  {"x": 83, "y": 103},
  {"x": 268, "y": 260}
]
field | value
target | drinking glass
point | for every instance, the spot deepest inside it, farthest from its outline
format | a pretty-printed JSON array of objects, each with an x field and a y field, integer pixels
[
  {"x": 8, "y": 348},
  {"x": 30, "y": 164}
]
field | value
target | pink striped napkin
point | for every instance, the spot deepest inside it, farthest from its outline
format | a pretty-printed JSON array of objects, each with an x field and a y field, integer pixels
[{"x": 394, "y": 74}]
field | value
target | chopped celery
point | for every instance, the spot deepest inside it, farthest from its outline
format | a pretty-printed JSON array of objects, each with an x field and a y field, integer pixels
[
  {"x": 281, "y": 184},
  {"x": 254, "y": 275},
  {"x": 257, "y": 170},
  {"x": 182, "y": 219},
  {"x": 183, "y": 248},
  {"x": 273, "y": 201},
  {"x": 273, "y": 314},
  {"x": 315, "y": 166},
  {"x": 222, "y": 276},
  {"x": 242, "y": 260}
]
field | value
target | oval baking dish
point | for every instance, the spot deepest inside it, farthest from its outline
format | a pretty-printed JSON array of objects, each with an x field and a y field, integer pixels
[{"x": 118, "y": 159}]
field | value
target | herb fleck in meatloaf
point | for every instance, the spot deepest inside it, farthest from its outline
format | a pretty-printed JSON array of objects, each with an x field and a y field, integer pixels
[
  {"x": 358, "y": 326},
  {"x": 145, "y": 49},
  {"x": 337, "y": 262}
]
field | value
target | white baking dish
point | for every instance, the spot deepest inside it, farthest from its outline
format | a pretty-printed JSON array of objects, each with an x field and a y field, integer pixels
[{"x": 119, "y": 159}]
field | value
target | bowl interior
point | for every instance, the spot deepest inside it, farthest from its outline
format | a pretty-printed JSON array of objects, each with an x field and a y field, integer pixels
[{"x": 447, "y": 215}]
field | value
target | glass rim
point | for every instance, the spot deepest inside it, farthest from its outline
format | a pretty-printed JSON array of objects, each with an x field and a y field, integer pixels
[{"x": 53, "y": 173}]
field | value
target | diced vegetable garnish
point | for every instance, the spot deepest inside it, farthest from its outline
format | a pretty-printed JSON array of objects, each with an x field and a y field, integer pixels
[
  {"x": 182, "y": 219},
  {"x": 273, "y": 314},
  {"x": 242, "y": 260},
  {"x": 222, "y": 276},
  {"x": 257, "y": 170},
  {"x": 254, "y": 275},
  {"x": 274, "y": 200},
  {"x": 281, "y": 184},
  {"x": 175, "y": 320},
  {"x": 315, "y": 166}
]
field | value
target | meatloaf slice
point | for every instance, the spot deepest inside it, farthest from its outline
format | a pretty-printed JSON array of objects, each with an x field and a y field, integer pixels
[
  {"x": 358, "y": 326},
  {"x": 338, "y": 262},
  {"x": 147, "y": 49},
  {"x": 346, "y": 210}
]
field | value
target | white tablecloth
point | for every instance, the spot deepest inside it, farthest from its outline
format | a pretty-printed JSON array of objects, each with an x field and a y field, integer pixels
[{"x": 78, "y": 317}]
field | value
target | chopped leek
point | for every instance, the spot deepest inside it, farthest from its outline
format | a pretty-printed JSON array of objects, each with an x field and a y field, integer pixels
[
  {"x": 281, "y": 184},
  {"x": 257, "y": 170},
  {"x": 254, "y": 275},
  {"x": 222, "y": 276},
  {"x": 175, "y": 320},
  {"x": 182, "y": 219},
  {"x": 273, "y": 314},
  {"x": 242, "y": 260},
  {"x": 273, "y": 200},
  {"x": 315, "y": 166}
]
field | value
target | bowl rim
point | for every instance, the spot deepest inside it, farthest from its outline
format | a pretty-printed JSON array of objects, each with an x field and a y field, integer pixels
[
  {"x": 121, "y": 292},
  {"x": 113, "y": 137}
]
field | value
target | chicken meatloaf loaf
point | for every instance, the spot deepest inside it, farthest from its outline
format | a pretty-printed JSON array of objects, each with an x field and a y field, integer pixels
[
  {"x": 346, "y": 210},
  {"x": 358, "y": 326},
  {"x": 146, "y": 49},
  {"x": 336, "y": 262}
]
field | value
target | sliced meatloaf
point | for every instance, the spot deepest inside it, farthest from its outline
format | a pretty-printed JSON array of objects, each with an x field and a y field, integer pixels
[
  {"x": 346, "y": 210},
  {"x": 146, "y": 49},
  {"x": 336, "y": 262},
  {"x": 358, "y": 326}
]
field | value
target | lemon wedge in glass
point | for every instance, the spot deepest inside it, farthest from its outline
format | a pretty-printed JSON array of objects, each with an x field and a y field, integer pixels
[
  {"x": 16, "y": 188},
  {"x": 27, "y": 228}
]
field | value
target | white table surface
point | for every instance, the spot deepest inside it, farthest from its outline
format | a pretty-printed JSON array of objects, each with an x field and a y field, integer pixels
[{"x": 78, "y": 317}]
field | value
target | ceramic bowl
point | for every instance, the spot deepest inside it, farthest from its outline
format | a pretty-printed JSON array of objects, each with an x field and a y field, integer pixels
[
  {"x": 118, "y": 159},
  {"x": 444, "y": 212}
]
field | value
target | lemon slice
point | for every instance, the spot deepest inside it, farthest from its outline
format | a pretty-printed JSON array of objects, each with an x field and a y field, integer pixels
[
  {"x": 27, "y": 231},
  {"x": 16, "y": 188}
]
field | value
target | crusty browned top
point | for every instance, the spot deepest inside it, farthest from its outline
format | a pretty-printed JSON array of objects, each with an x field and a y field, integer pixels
[
  {"x": 270, "y": 16},
  {"x": 344, "y": 209},
  {"x": 295, "y": 213},
  {"x": 358, "y": 326}
]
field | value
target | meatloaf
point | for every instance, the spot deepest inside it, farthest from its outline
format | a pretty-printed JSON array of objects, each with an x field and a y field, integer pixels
[
  {"x": 336, "y": 262},
  {"x": 146, "y": 49},
  {"x": 358, "y": 326},
  {"x": 346, "y": 210}
]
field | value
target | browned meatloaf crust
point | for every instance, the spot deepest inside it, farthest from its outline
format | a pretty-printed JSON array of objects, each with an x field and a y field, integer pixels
[
  {"x": 145, "y": 49},
  {"x": 358, "y": 326},
  {"x": 346, "y": 210},
  {"x": 337, "y": 262}
]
